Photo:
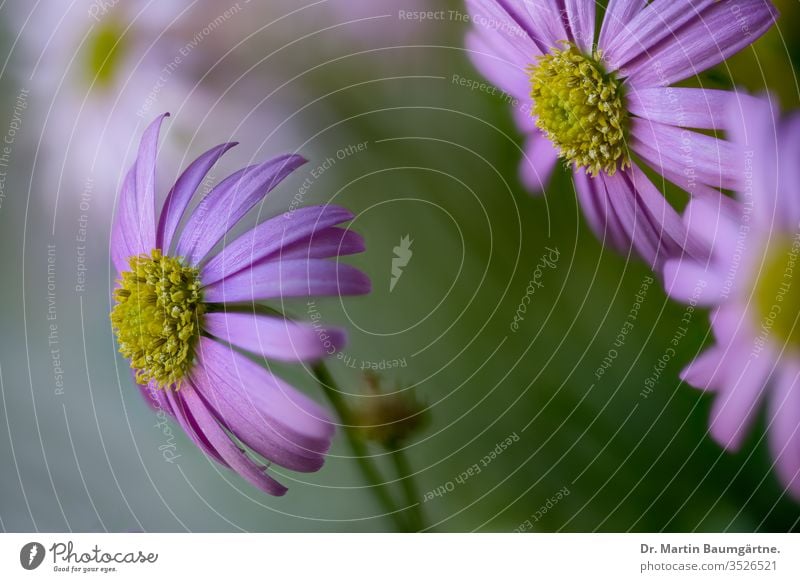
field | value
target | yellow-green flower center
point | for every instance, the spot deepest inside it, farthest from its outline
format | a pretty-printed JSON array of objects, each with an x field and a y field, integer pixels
[
  {"x": 580, "y": 108},
  {"x": 105, "y": 49},
  {"x": 157, "y": 317},
  {"x": 777, "y": 291}
]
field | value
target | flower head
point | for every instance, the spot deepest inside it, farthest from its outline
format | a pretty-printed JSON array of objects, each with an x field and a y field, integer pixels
[
  {"x": 752, "y": 281},
  {"x": 184, "y": 312},
  {"x": 603, "y": 103}
]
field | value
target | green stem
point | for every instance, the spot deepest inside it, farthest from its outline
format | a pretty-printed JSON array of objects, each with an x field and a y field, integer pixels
[
  {"x": 406, "y": 476},
  {"x": 361, "y": 454}
]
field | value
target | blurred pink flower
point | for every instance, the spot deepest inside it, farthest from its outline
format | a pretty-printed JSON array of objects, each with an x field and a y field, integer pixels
[{"x": 753, "y": 283}]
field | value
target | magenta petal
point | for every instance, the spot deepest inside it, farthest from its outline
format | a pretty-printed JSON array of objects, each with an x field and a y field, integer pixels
[
  {"x": 690, "y": 282},
  {"x": 499, "y": 63},
  {"x": 156, "y": 398},
  {"x": 125, "y": 238},
  {"x": 753, "y": 128},
  {"x": 656, "y": 22},
  {"x": 545, "y": 20},
  {"x": 651, "y": 224},
  {"x": 134, "y": 230},
  {"x": 714, "y": 222},
  {"x": 181, "y": 193},
  {"x": 581, "y": 17},
  {"x": 146, "y": 182},
  {"x": 210, "y": 435},
  {"x": 277, "y": 279},
  {"x": 784, "y": 427},
  {"x": 738, "y": 398},
  {"x": 226, "y": 204},
  {"x": 189, "y": 425},
  {"x": 639, "y": 231},
  {"x": 599, "y": 213},
  {"x": 729, "y": 323},
  {"x": 618, "y": 14},
  {"x": 505, "y": 19},
  {"x": 265, "y": 413},
  {"x": 671, "y": 40},
  {"x": 274, "y": 337},
  {"x": 705, "y": 370},
  {"x": 324, "y": 244},
  {"x": 270, "y": 237},
  {"x": 671, "y": 228},
  {"x": 541, "y": 25},
  {"x": 681, "y": 107},
  {"x": 538, "y": 163},
  {"x": 789, "y": 176},
  {"x": 682, "y": 152}
]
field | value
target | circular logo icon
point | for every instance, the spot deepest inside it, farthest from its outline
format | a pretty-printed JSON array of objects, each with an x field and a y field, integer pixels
[{"x": 31, "y": 555}]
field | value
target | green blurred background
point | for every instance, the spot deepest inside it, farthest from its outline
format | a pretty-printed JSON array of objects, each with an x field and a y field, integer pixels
[{"x": 627, "y": 450}]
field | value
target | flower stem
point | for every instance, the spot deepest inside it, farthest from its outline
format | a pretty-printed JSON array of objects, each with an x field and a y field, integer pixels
[
  {"x": 361, "y": 454},
  {"x": 406, "y": 476}
]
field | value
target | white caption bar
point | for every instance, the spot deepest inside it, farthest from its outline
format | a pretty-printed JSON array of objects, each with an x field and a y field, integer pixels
[{"x": 390, "y": 557}]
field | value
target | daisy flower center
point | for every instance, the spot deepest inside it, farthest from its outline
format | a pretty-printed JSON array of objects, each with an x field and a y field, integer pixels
[
  {"x": 580, "y": 108},
  {"x": 105, "y": 49},
  {"x": 157, "y": 315},
  {"x": 777, "y": 291}
]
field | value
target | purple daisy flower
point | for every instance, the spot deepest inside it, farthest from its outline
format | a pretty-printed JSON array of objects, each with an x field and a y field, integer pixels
[
  {"x": 753, "y": 282},
  {"x": 595, "y": 101},
  {"x": 183, "y": 312}
]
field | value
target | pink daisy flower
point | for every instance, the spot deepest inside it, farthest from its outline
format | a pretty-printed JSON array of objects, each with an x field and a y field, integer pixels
[
  {"x": 603, "y": 103},
  {"x": 183, "y": 313},
  {"x": 753, "y": 282}
]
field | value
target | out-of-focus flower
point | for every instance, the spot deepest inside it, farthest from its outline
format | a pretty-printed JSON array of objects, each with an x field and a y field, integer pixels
[
  {"x": 595, "y": 102},
  {"x": 388, "y": 418},
  {"x": 176, "y": 317},
  {"x": 99, "y": 71},
  {"x": 753, "y": 282}
]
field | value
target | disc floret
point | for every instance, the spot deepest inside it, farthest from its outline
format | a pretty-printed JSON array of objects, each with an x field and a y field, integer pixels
[
  {"x": 581, "y": 109},
  {"x": 157, "y": 317}
]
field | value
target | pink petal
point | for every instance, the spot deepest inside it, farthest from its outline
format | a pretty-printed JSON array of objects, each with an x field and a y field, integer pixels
[
  {"x": 277, "y": 279},
  {"x": 753, "y": 128},
  {"x": 182, "y": 192},
  {"x": 738, "y": 398},
  {"x": 270, "y": 237},
  {"x": 193, "y": 430},
  {"x": 618, "y": 15},
  {"x": 269, "y": 416},
  {"x": 496, "y": 60},
  {"x": 671, "y": 40},
  {"x": 680, "y": 107},
  {"x": 125, "y": 238},
  {"x": 784, "y": 427},
  {"x": 228, "y": 202},
  {"x": 539, "y": 161},
  {"x": 323, "y": 244},
  {"x": 690, "y": 282},
  {"x": 789, "y": 176},
  {"x": 704, "y": 372},
  {"x": 214, "y": 441},
  {"x": 134, "y": 230},
  {"x": 506, "y": 18},
  {"x": 274, "y": 337},
  {"x": 687, "y": 153},
  {"x": 599, "y": 212},
  {"x": 581, "y": 16},
  {"x": 713, "y": 221}
]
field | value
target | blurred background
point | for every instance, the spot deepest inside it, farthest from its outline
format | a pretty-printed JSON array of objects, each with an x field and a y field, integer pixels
[{"x": 600, "y": 435}]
